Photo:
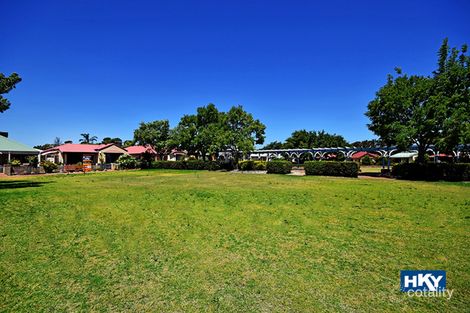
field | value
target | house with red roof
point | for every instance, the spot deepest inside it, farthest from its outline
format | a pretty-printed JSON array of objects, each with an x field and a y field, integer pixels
[
  {"x": 359, "y": 155},
  {"x": 142, "y": 152},
  {"x": 71, "y": 153},
  {"x": 139, "y": 151},
  {"x": 148, "y": 152}
]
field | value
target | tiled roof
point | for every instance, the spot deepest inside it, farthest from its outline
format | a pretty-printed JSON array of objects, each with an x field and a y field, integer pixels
[
  {"x": 83, "y": 148},
  {"x": 361, "y": 154},
  {"x": 140, "y": 149}
]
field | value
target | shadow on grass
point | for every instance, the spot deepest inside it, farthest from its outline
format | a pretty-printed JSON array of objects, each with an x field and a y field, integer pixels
[{"x": 12, "y": 184}]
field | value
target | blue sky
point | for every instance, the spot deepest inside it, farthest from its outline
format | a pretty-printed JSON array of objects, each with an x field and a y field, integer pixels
[{"x": 104, "y": 66}]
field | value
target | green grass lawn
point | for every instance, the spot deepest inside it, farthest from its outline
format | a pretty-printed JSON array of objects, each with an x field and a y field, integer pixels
[{"x": 211, "y": 241}]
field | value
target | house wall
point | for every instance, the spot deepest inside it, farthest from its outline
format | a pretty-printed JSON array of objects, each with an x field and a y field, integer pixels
[{"x": 113, "y": 149}]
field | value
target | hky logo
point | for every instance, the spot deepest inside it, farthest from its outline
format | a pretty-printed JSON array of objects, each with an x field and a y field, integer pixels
[{"x": 422, "y": 281}]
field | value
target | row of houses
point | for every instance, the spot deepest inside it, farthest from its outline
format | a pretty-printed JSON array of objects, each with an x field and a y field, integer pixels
[{"x": 71, "y": 153}]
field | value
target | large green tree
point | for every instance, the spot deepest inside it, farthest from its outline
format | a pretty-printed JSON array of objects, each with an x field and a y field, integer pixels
[
  {"x": 7, "y": 83},
  {"x": 201, "y": 134},
  {"x": 210, "y": 131},
  {"x": 273, "y": 145},
  {"x": 452, "y": 93},
  {"x": 242, "y": 132},
  {"x": 183, "y": 135},
  {"x": 425, "y": 110},
  {"x": 303, "y": 139},
  {"x": 156, "y": 134},
  {"x": 108, "y": 140}
]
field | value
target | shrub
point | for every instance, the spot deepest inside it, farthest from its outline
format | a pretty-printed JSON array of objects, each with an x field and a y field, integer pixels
[
  {"x": 126, "y": 161},
  {"x": 247, "y": 165},
  {"x": 32, "y": 160},
  {"x": 366, "y": 160},
  {"x": 227, "y": 165},
  {"x": 201, "y": 165},
  {"x": 432, "y": 171},
  {"x": 15, "y": 162},
  {"x": 49, "y": 166},
  {"x": 187, "y": 165},
  {"x": 260, "y": 165},
  {"x": 331, "y": 168},
  {"x": 251, "y": 165},
  {"x": 279, "y": 167}
]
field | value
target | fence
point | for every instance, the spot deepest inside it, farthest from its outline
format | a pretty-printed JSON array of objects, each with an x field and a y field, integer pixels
[{"x": 28, "y": 169}]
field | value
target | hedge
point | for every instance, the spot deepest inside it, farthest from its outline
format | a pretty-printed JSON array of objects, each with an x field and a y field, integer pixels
[
  {"x": 432, "y": 171},
  {"x": 331, "y": 168},
  {"x": 251, "y": 165},
  {"x": 187, "y": 165},
  {"x": 279, "y": 167}
]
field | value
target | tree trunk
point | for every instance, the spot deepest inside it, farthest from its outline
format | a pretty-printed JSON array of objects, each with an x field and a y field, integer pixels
[
  {"x": 235, "y": 159},
  {"x": 421, "y": 154}
]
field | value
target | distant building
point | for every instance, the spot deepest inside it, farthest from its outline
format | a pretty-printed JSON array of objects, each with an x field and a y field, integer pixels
[
  {"x": 142, "y": 152},
  {"x": 406, "y": 156},
  {"x": 13, "y": 150},
  {"x": 74, "y": 153},
  {"x": 359, "y": 155}
]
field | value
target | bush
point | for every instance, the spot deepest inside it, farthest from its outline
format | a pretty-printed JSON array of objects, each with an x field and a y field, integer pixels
[
  {"x": 366, "y": 160},
  {"x": 32, "y": 160},
  {"x": 201, "y": 165},
  {"x": 227, "y": 165},
  {"x": 432, "y": 171},
  {"x": 126, "y": 161},
  {"x": 331, "y": 168},
  {"x": 49, "y": 166},
  {"x": 251, "y": 165},
  {"x": 15, "y": 162},
  {"x": 187, "y": 165},
  {"x": 279, "y": 167},
  {"x": 260, "y": 165}
]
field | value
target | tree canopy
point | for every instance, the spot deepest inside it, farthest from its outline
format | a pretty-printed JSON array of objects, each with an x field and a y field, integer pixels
[
  {"x": 108, "y": 140},
  {"x": 156, "y": 134},
  {"x": 6, "y": 85},
  {"x": 242, "y": 131},
  {"x": 303, "y": 139},
  {"x": 425, "y": 110},
  {"x": 210, "y": 131}
]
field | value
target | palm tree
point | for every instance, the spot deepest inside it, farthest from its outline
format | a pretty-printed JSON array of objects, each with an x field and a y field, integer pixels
[{"x": 87, "y": 138}]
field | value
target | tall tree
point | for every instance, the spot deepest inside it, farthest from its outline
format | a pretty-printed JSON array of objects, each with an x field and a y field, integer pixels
[
  {"x": 128, "y": 143},
  {"x": 210, "y": 136},
  {"x": 303, "y": 139},
  {"x": 201, "y": 134},
  {"x": 273, "y": 145},
  {"x": 108, "y": 140},
  {"x": 425, "y": 110},
  {"x": 6, "y": 85},
  {"x": 452, "y": 92},
  {"x": 184, "y": 134},
  {"x": 156, "y": 134},
  {"x": 372, "y": 143},
  {"x": 87, "y": 138},
  {"x": 242, "y": 131}
]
